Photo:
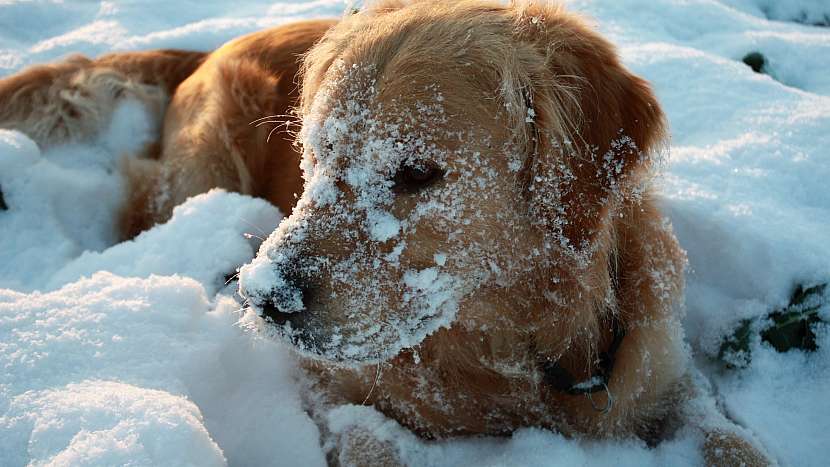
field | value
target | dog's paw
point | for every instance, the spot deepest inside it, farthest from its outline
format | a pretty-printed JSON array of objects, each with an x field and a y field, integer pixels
[
  {"x": 361, "y": 436},
  {"x": 724, "y": 449},
  {"x": 359, "y": 447}
]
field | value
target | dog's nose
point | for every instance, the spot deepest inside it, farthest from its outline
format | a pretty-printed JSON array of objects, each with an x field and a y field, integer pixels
[{"x": 286, "y": 300}]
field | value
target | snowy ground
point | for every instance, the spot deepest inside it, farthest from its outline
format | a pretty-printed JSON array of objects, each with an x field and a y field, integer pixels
[{"x": 137, "y": 353}]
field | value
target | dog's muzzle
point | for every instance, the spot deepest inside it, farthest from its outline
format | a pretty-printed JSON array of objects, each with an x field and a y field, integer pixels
[
  {"x": 283, "y": 296},
  {"x": 286, "y": 297},
  {"x": 287, "y": 301}
]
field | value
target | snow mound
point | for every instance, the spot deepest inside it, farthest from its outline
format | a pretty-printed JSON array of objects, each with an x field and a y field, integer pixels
[
  {"x": 809, "y": 12},
  {"x": 111, "y": 369},
  {"x": 63, "y": 206},
  {"x": 107, "y": 423},
  {"x": 208, "y": 237}
]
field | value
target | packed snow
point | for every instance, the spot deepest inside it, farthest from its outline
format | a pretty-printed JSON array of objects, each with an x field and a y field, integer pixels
[{"x": 139, "y": 353}]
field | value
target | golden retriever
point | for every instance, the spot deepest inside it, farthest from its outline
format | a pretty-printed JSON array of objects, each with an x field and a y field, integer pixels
[{"x": 476, "y": 248}]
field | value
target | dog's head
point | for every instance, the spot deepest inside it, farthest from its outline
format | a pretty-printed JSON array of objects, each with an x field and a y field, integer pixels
[{"x": 462, "y": 162}]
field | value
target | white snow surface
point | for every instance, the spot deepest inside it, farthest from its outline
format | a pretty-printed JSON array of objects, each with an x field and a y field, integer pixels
[{"x": 136, "y": 353}]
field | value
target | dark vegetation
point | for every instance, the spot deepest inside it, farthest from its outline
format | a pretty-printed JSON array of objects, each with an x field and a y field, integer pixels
[
  {"x": 791, "y": 327},
  {"x": 756, "y": 61}
]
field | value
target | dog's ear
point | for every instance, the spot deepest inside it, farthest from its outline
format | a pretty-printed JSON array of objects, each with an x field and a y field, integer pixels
[{"x": 593, "y": 127}]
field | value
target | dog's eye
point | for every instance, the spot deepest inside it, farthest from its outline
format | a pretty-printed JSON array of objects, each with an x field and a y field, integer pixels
[{"x": 412, "y": 177}]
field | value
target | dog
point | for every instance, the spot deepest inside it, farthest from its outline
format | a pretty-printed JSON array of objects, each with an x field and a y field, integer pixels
[
  {"x": 476, "y": 247},
  {"x": 204, "y": 102}
]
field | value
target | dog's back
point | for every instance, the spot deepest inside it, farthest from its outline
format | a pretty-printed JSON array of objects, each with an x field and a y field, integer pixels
[{"x": 228, "y": 126}]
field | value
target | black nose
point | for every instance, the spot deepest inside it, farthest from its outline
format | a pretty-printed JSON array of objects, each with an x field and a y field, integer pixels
[{"x": 288, "y": 301}]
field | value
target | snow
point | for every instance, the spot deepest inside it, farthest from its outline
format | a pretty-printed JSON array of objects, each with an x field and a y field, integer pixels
[
  {"x": 531, "y": 446},
  {"x": 137, "y": 353},
  {"x": 383, "y": 226},
  {"x": 813, "y": 12},
  {"x": 110, "y": 369},
  {"x": 68, "y": 199},
  {"x": 152, "y": 252}
]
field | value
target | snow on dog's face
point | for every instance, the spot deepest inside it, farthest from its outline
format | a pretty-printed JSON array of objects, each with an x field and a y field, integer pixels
[
  {"x": 462, "y": 161},
  {"x": 408, "y": 206}
]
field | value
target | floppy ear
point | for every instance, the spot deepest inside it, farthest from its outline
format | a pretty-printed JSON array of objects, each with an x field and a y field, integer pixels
[{"x": 594, "y": 125}]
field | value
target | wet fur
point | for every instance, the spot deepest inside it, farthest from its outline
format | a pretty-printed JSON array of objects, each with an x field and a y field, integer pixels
[{"x": 582, "y": 95}]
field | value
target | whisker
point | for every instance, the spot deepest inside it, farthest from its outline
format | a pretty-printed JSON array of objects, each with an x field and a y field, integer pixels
[
  {"x": 268, "y": 139},
  {"x": 377, "y": 378},
  {"x": 251, "y": 224},
  {"x": 272, "y": 116},
  {"x": 265, "y": 122},
  {"x": 285, "y": 123},
  {"x": 232, "y": 278},
  {"x": 267, "y": 117}
]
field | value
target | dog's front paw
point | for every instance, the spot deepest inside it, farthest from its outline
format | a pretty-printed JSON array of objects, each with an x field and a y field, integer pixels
[
  {"x": 358, "y": 447},
  {"x": 724, "y": 449},
  {"x": 362, "y": 436}
]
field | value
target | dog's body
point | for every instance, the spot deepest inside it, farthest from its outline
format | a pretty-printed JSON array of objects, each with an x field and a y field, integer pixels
[
  {"x": 204, "y": 103},
  {"x": 214, "y": 136},
  {"x": 495, "y": 156}
]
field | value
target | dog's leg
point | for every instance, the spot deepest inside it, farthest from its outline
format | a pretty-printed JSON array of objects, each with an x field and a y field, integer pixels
[
  {"x": 141, "y": 177},
  {"x": 357, "y": 446},
  {"x": 358, "y": 436},
  {"x": 351, "y": 435},
  {"x": 728, "y": 449},
  {"x": 156, "y": 186},
  {"x": 32, "y": 101},
  {"x": 725, "y": 444},
  {"x": 212, "y": 140},
  {"x": 72, "y": 100},
  {"x": 225, "y": 127}
]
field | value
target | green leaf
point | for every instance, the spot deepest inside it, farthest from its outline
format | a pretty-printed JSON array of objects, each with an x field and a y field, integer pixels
[
  {"x": 734, "y": 351},
  {"x": 792, "y": 327}
]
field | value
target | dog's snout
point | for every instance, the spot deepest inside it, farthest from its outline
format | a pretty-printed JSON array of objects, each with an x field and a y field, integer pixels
[
  {"x": 278, "y": 284},
  {"x": 271, "y": 309},
  {"x": 286, "y": 300},
  {"x": 293, "y": 297}
]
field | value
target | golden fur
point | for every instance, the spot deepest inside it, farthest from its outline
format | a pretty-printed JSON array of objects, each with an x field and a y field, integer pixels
[
  {"x": 214, "y": 134},
  {"x": 73, "y": 99},
  {"x": 586, "y": 151},
  {"x": 581, "y": 92}
]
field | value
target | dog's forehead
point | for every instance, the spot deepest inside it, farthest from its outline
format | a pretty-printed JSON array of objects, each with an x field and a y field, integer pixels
[{"x": 362, "y": 118}]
